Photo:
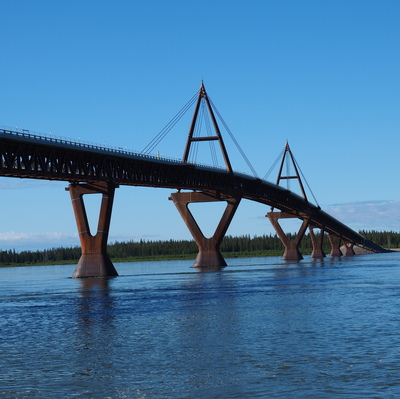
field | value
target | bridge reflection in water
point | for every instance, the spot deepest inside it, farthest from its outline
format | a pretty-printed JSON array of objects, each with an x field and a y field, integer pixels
[{"x": 91, "y": 169}]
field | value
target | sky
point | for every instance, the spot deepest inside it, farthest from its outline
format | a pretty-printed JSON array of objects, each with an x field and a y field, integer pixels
[{"x": 322, "y": 75}]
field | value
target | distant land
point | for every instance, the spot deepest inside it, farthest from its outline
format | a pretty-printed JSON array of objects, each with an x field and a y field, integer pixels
[{"x": 139, "y": 251}]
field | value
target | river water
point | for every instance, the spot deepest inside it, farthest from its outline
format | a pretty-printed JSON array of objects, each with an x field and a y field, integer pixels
[{"x": 260, "y": 327}]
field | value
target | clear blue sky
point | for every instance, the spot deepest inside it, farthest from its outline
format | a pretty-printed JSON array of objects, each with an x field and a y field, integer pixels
[{"x": 323, "y": 75}]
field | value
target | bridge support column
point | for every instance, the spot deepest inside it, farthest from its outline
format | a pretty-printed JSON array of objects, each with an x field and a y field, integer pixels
[
  {"x": 209, "y": 248},
  {"x": 335, "y": 245},
  {"x": 94, "y": 261},
  {"x": 291, "y": 247},
  {"x": 349, "y": 249},
  {"x": 317, "y": 252}
]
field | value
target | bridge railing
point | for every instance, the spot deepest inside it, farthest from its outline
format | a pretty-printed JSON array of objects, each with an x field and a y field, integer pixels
[
  {"x": 25, "y": 133},
  {"x": 63, "y": 140}
]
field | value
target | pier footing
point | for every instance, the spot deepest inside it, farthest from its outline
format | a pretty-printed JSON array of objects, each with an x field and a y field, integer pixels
[
  {"x": 94, "y": 261},
  {"x": 349, "y": 249},
  {"x": 291, "y": 246},
  {"x": 317, "y": 252},
  {"x": 335, "y": 246},
  {"x": 209, "y": 248}
]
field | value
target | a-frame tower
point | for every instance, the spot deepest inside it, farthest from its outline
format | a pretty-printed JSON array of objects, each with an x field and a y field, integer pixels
[
  {"x": 217, "y": 137},
  {"x": 209, "y": 255}
]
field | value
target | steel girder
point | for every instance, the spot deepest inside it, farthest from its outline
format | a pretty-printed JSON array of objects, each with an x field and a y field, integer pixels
[{"x": 37, "y": 158}]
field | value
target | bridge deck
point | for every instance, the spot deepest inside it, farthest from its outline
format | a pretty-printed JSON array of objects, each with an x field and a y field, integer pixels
[{"x": 25, "y": 155}]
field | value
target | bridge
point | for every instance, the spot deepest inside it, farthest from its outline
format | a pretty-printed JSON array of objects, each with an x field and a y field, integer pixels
[{"x": 91, "y": 168}]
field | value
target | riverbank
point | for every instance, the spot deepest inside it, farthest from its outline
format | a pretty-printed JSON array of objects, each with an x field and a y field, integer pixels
[
  {"x": 140, "y": 251},
  {"x": 156, "y": 258}
]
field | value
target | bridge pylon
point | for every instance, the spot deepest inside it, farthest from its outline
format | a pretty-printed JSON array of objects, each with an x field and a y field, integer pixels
[
  {"x": 94, "y": 260},
  {"x": 317, "y": 252},
  {"x": 349, "y": 249},
  {"x": 291, "y": 246},
  {"x": 287, "y": 153},
  {"x": 218, "y": 137},
  {"x": 209, "y": 255},
  {"x": 335, "y": 242}
]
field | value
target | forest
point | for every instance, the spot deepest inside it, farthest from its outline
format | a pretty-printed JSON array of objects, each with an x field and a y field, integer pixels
[{"x": 240, "y": 246}]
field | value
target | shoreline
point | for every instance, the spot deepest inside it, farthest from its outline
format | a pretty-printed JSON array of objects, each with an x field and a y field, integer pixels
[
  {"x": 159, "y": 258},
  {"x": 154, "y": 258}
]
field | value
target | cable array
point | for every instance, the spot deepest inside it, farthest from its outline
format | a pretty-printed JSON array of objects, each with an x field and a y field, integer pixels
[
  {"x": 273, "y": 166},
  {"x": 298, "y": 167},
  {"x": 234, "y": 140},
  {"x": 161, "y": 135}
]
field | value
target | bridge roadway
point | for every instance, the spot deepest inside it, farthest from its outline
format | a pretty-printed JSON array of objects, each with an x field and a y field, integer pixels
[{"x": 26, "y": 155}]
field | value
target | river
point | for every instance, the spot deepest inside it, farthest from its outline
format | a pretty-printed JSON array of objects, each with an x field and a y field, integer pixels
[{"x": 259, "y": 328}]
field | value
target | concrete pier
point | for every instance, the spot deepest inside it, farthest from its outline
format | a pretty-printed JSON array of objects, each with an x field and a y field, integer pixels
[
  {"x": 209, "y": 248},
  {"x": 94, "y": 261}
]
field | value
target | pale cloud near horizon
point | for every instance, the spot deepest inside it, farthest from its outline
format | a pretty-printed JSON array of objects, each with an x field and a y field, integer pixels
[
  {"x": 381, "y": 215},
  {"x": 7, "y": 183},
  {"x": 35, "y": 241}
]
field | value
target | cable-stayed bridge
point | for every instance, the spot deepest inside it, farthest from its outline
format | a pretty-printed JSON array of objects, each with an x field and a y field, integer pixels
[{"x": 91, "y": 168}]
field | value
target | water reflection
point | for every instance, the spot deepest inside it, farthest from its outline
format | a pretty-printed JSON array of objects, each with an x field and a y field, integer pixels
[
  {"x": 94, "y": 286},
  {"x": 259, "y": 328},
  {"x": 318, "y": 261},
  {"x": 95, "y": 310},
  {"x": 95, "y": 316},
  {"x": 209, "y": 268},
  {"x": 208, "y": 327}
]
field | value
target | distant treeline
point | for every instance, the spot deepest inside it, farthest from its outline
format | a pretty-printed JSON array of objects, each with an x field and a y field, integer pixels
[
  {"x": 257, "y": 245},
  {"x": 386, "y": 239}
]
